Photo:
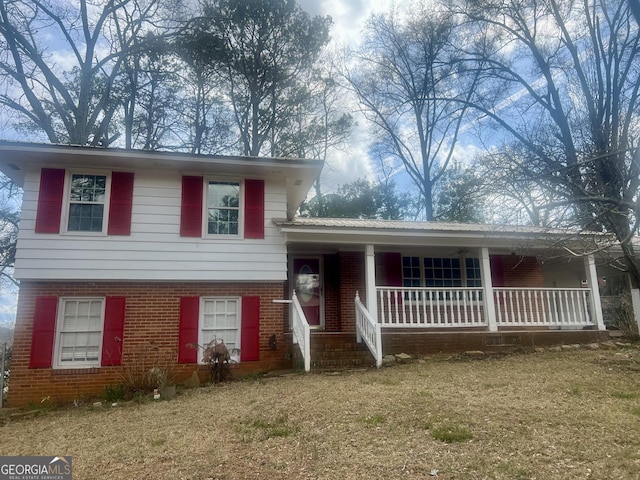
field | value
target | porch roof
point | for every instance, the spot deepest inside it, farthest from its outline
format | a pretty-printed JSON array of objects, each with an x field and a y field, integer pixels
[{"x": 407, "y": 233}]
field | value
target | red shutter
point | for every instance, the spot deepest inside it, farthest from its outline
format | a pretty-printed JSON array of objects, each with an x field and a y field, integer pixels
[
  {"x": 188, "y": 334},
  {"x": 121, "y": 203},
  {"x": 254, "y": 209},
  {"x": 497, "y": 271},
  {"x": 250, "y": 331},
  {"x": 191, "y": 208},
  {"x": 113, "y": 335},
  {"x": 391, "y": 264},
  {"x": 389, "y": 272},
  {"x": 44, "y": 331},
  {"x": 50, "y": 200}
]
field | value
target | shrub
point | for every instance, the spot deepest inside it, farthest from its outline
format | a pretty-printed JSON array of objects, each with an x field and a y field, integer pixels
[
  {"x": 623, "y": 319},
  {"x": 147, "y": 370},
  {"x": 113, "y": 393}
]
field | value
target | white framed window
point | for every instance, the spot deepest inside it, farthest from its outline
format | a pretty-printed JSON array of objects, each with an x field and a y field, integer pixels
[
  {"x": 220, "y": 319},
  {"x": 79, "y": 329},
  {"x": 224, "y": 209},
  {"x": 87, "y": 197},
  {"x": 440, "y": 272}
]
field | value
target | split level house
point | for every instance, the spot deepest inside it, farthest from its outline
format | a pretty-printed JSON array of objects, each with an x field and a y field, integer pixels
[{"x": 129, "y": 258}]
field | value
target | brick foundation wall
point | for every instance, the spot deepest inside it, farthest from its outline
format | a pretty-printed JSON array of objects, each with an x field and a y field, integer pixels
[
  {"x": 425, "y": 343},
  {"x": 150, "y": 336}
]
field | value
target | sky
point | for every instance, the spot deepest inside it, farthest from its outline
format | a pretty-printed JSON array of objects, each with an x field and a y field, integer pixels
[{"x": 349, "y": 22}]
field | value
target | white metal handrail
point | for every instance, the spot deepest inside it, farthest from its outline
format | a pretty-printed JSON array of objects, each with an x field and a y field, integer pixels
[
  {"x": 301, "y": 331},
  {"x": 368, "y": 330},
  {"x": 431, "y": 307},
  {"x": 542, "y": 306}
]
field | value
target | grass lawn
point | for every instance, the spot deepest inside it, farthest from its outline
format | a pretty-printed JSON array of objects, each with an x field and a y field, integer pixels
[{"x": 551, "y": 415}]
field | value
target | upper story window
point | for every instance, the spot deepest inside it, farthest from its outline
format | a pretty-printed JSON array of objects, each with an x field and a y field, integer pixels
[
  {"x": 79, "y": 332},
  {"x": 83, "y": 202},
  {"x": 223, "y": 208},
  {"x": 87, "y": 197}
]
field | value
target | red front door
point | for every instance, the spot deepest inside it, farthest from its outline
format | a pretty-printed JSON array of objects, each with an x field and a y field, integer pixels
[{"x": 307, "y": 282}]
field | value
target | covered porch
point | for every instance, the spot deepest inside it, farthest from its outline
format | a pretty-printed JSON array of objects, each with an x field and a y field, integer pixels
[{"x": 445, "y": 292}]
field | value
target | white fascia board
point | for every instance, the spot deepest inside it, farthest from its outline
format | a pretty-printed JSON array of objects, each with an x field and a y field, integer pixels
[
  {"x": 15, "y": 156},
  {"x": 353, "y": 236}
]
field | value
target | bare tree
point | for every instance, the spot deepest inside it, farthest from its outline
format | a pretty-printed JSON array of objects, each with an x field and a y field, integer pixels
[
  {"x": 10, "y": 194},
  {"x": 406, "y": 77},
  {"x": 567, "y": 74},
  {"x": 263, "y": 50},
  {"x": 318, "y": 124},
  {"x": 207, "y": 119},
  {"x": 68, "y": 89}
]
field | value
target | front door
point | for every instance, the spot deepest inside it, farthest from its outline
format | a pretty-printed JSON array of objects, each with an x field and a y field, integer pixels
[{"x": 307, "y": 282}]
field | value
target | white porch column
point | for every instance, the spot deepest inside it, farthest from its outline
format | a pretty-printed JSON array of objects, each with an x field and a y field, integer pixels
[
  {"x": 594, "y": 298},
  {"x": 487, "y": 287},
  {"x": 370, "y": 274},
  {"x": 635, "y": 303}
]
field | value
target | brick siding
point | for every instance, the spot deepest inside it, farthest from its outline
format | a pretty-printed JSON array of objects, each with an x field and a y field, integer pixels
[
  {"x": 151, "y": 329},
  {"x": 522, "y": 272},
  {"x": 425, "y": 343},
  {"x": 352, "y": 280}
]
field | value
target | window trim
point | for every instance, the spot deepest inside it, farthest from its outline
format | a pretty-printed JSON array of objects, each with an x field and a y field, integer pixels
[
  {"x": 205, "y": 208},
  {"x": 57, "y": 347},
  {"x": 66, "y": 199},
  {"x": 463, "y": 271},
  {"x": 201, "y": 313}
]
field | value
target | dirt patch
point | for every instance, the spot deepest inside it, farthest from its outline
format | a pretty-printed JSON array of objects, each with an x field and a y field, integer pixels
[{"x": 548, "y": 415}]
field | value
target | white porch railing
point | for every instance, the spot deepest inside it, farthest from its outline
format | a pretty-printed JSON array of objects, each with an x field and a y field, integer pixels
[
  {"x": 301, "y": 333},
  {"x": 430, "y": 307},
  {"x": 542, "y": 307},
  {"x": 401, "y": 307},
  {"x": 368, "y": 330},
  {"x": 300, "y": 329}
]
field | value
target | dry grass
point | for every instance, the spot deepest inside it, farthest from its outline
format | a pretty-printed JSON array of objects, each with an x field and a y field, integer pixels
[{"x": 562, "y": 415}]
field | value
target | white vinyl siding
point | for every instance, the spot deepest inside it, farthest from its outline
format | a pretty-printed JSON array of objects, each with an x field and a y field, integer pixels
[
  {"x": 154, "y": 250},
  {"x": 79, "y": 332}
]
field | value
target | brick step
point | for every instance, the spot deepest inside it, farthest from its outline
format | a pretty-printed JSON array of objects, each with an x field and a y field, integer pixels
[
  {"x": 337, "y": 351},
  {"x": 341, "y": 363},
  {"x": 346, "y": 347},
  {"x": 329, "y": 354}
]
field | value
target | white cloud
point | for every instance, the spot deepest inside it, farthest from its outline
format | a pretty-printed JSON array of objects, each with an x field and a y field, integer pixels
[{"x": 349, "y": 16}]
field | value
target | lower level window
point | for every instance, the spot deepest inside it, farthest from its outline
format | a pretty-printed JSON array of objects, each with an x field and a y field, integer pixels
[
  {"x": 79, "y": 332},
  {"x": 220, "y": 321}
]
